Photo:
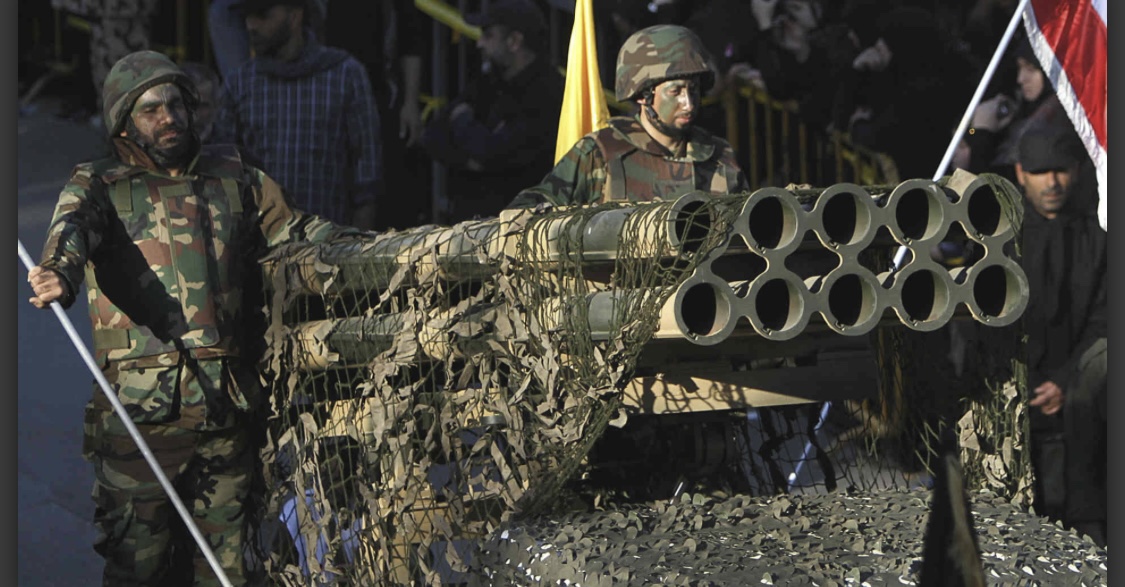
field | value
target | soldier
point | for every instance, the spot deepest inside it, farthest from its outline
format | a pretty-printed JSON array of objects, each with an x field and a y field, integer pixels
[
  {"x": 166, "y": 234},
  {"x": 658, "y": 153}
]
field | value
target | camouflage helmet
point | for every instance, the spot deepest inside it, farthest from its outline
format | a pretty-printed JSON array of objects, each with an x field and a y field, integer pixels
[
  {"x": 131, "y": 76},
  {"x": 657, "y": 53}
]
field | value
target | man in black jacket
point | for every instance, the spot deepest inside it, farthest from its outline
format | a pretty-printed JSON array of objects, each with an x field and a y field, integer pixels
[
  {"x": 1064, "y": 256},
  {"x": 500, "y": 136}
]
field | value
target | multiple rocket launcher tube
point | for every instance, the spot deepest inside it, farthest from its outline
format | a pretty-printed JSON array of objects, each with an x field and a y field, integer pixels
[
  {"x": 770, "y": 226},
  {"x": 845, "y": 219}
]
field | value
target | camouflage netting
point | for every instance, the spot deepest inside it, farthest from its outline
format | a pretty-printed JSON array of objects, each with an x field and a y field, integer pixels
[
  {"x": 433, "y": 384},
  {"x": 842, "y": 538}
]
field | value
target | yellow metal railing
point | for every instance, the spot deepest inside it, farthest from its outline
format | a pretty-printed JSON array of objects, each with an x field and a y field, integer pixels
[{"x": 779, "y": 148}]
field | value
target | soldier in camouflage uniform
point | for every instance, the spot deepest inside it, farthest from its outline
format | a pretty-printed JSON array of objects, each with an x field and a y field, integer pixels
[
  {"x": 166, "y": 235},
  {"x": 657, "y": 154}
]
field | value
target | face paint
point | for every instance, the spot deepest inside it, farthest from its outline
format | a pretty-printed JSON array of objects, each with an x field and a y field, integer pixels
[
  {"x": 160, "y": 122},
  {"x": 673, "y": 107}
]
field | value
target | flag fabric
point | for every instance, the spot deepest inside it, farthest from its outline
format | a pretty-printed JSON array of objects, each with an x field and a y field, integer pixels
[
  {"x": 583, "y": 107},
  {"x": 1070, "y": 42}
]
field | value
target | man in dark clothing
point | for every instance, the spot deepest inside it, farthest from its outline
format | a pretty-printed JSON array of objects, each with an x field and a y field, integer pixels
[
  {"x": 305, "y": 113},
  {"x": 1064, "y": 257},
  {"x": 500, "y": 137},
  {"x": 905, "y": 92},
  {"x": 394, "y": 65}
]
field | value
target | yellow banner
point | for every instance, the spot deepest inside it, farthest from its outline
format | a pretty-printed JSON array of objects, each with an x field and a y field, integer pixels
[{"x": 584, "y": 104}]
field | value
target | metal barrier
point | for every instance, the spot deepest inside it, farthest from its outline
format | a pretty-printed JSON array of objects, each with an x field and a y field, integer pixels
[{"x": 775, "y": 147}]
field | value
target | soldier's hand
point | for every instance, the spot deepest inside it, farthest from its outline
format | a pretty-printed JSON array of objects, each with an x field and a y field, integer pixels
[
  {"x": 1048, "y": 398},
  {"x": 47, "y": 285}
]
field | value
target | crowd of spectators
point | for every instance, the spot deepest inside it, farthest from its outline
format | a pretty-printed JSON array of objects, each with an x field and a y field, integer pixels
[{"x": 894, "y": 76}]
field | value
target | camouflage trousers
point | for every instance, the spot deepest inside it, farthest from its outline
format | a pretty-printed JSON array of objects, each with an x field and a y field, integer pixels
[{"x": 141, "y": 535}]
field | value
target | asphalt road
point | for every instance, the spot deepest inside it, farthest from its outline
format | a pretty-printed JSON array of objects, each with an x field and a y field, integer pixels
[{"x": 55, "y": 533}]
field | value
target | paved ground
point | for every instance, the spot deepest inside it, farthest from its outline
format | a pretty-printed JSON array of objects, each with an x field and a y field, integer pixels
[{"x": 55, "y": 533}]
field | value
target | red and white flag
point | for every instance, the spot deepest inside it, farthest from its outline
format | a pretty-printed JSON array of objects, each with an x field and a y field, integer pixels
[{"x": 1069, "y": 39}]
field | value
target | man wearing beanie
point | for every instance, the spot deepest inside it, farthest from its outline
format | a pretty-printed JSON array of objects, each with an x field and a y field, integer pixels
[{"x": 1064, "y": 257}]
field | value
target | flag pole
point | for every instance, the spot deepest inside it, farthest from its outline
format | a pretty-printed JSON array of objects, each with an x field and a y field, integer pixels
[
  {"x": 968, "y": 116},
  {"x": 125, "y": 419}
]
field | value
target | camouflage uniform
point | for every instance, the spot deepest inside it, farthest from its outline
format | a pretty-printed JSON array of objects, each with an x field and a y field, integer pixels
[
  {"x": 166, "y": 260},
  {"x": 624, "y": 162}
]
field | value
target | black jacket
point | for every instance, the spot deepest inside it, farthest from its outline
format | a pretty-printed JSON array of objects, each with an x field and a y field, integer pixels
[
  {"x": 1065, "y": 263},
  {"x": 511, "y": 133}
]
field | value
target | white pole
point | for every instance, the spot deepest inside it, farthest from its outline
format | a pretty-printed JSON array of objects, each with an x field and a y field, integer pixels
[
  {"x": 141, "y": 444},
  {"x": 981, "y": 87}
]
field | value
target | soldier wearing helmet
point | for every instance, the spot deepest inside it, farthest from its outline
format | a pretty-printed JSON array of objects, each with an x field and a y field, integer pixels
[
  {"x": 657, "y": 154},
  {"x": 163, "y": 233}
]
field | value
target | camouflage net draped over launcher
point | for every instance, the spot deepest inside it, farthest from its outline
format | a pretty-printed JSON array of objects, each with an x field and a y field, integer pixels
[{"x": 432, "y": 383}]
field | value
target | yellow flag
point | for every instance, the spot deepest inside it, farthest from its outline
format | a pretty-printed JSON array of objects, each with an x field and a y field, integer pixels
[{"x": 583, "y": 106}]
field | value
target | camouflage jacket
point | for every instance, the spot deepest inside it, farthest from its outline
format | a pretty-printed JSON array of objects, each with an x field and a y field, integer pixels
[
  {"x": 165, "y": 258},
  {"x": 621, "y": 161}
]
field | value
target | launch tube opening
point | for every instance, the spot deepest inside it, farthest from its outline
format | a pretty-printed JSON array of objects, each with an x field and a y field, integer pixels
[
  {"x": 918, "y": 214},
  {"x": 704, "y": 310},
  {"x": 845, "y": 221},
  {"x": 985, "y": 214},
  {"x": 692, "y": 224},
  {"x": 778, "y": 305},
  {"x": 771, "y": 223},
  {"x": 995, "y": 291},
  {"x": 924, "y": 296},
  {"x": 851, "y": 300}
]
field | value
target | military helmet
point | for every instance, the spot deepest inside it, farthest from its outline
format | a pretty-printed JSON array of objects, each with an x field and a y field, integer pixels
[
  {"x": 131, "y": 76},
  {"x": 658, "y": 53}
]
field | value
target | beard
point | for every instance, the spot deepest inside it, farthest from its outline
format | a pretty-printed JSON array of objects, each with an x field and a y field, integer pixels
[
  {"x": 671, "y": 130},
  {"x": 175, "y": 154},
  {"x": 269, "y": 45}
]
